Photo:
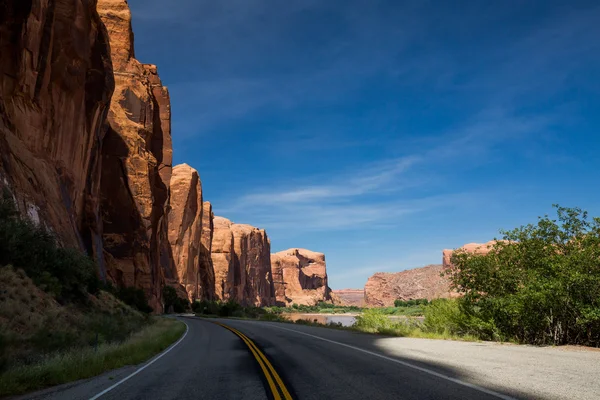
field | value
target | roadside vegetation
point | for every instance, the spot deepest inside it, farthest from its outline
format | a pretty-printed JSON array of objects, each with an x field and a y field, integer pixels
[
  {"x": 401, "y": 307},
  {"x": 54, "y": 312},
  {"x": 539, "y": 284},
  {"x": 73, "y": 364}
]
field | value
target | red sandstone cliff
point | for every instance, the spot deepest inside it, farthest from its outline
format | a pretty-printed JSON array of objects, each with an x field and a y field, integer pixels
[
  {"x": 136, "y": 166},
  {"x": 187, "y": 223},
  {"x": 383, "y": 288},
  {"x": 300, "y": 276},
  {"x": 242, "y": 265},
  {"x": 55, "y": 87},
  {"x": 85, "y": 149}
]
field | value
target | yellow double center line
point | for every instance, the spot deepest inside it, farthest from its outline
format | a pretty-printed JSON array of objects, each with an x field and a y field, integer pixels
[{"x": 275, "y": 383}]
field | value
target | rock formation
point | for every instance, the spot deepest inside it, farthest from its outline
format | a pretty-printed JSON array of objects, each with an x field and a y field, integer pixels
[
  {"x": 55, "y": 86},
  {"x": 136, "y": 166},
  {"x": 476, "y": 248},
  {"x": 383, "y": 288},
  {"x": 186, "y": 227},
  {"x": 349, "y": 297},
  {"x": 85, "y": 150},
  {"x": 241, "y": 261},
  {"x": 300, "y": 277}
]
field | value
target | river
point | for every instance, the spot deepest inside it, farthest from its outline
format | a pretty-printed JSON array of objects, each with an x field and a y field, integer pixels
[{"x": 344, "y": 319}]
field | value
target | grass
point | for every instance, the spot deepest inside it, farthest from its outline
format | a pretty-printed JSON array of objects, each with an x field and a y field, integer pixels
[
  {"x": 83, "y": 363},
  {"x": 372, "y": 321}
]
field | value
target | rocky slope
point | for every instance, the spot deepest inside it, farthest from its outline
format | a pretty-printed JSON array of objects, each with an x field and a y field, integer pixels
[
  {"x": 349, "y": 297},
  {"x": 241, "y": 260},
  {"x": 56, "y": 83},
  {"x": 136, "y": 166},
  {"x": 300, "y": 277},
  {"x": 383, "y": 288}
]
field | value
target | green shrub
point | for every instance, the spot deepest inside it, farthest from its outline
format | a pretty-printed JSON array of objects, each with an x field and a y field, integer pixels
[
  {"x": 67, "y": 274},
  {"x": 371, "y": 320},
  {"x": 134, "y": 297},
  {"x": 540, "y": 285}
]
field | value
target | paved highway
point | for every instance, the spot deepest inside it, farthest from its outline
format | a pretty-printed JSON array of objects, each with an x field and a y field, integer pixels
[{"x": 235, "y": 359}]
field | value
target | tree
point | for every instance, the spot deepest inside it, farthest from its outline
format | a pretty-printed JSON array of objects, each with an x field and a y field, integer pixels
[
  {"x": 169, "y": 297},
  {"x": 540, "y": 284}
]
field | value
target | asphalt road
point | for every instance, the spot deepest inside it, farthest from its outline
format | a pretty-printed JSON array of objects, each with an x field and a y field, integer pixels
[{"x": 262, "y": 360}]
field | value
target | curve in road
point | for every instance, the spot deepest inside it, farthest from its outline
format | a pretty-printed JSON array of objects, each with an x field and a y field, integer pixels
[{"x": 237, "y": 359}]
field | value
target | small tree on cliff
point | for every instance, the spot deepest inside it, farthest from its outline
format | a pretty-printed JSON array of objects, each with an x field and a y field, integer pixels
[{"x": 540, "y": 285}]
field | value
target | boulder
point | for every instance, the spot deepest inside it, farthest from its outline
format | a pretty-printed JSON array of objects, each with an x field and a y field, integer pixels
[
  {"x": 56, "y": 82},
  {"x": 300, "y": 277},
  {"x": 382, "y": 289},
  {"x": 136, "y": 166}
]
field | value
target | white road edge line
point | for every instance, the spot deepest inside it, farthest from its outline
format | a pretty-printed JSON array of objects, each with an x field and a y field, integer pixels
[
  {"x": 155, "y": 359},
  {"x": 406, "y": 364}
]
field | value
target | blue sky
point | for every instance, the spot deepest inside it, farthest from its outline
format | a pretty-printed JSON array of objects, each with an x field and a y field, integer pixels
[{"x": 381, "y": 132}]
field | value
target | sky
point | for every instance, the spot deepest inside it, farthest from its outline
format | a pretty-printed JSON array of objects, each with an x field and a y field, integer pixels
[{"x": 381, "y": 132}]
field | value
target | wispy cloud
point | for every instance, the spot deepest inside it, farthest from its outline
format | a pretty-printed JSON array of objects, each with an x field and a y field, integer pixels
[
  {"x": 382, "y": 193},
  {"x": 369, "y": 180}
]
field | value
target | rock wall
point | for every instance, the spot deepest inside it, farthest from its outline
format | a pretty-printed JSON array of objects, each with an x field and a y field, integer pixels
[
  {"x": 300, "y": 277},
  {"x": 207, "y": 272},
  {"x": 476, "y": 248},
  {"x": 136, "y": 166},
  {"x": 383, "y": 288},
  {"x": 241, "y": 261},
  {"x": 349, "y": 297},
  {"x": 56, "y": 83},
  {"x": 187, "y": 224},
  {"x": 85, "y": 150}
]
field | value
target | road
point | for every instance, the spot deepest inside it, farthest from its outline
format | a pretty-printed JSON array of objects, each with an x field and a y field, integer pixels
[{"x": 235, "y": 359}]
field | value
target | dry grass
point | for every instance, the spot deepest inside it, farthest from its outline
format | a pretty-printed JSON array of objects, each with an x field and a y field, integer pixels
[
  {"x": 33, "y": 325},
  {"x": 77, "y": 364}
]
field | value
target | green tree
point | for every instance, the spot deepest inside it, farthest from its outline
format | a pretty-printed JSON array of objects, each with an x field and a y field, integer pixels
[
  {"x": 540, "y": 284},
  {"x": 169, "y": 297}
]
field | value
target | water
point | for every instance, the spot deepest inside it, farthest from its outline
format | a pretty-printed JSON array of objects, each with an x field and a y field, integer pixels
[{"x": 344, "y": 319}]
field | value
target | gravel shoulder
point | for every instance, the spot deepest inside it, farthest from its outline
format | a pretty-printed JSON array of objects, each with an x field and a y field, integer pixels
[{"x": 520, "y": 371}]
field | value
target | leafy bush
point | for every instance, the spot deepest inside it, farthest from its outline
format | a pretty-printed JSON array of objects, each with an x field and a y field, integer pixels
[
  {"x": 410, "y": 303},
  {"x": 172, "y": 301},
  {"x": 67, "y": 274},
  {"x": 540, "y": 285},
  {"x": 372, "y": 320},
  {"x": 134, "y": 297}
]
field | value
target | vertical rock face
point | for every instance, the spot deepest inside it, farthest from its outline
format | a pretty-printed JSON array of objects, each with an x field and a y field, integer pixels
[
  {"x": 222, "y": 256},
  {"x": 475, "y": 248},
  {"x": 187, "y": 226},
  {"x": 383, "y": 288},
  {"x": 241, "y": 260},
  {"x": 136, "y": 158},
  {"x": 300, "y": 276},
  {"x": 207, "y": 272},
  {"x": 55, "y": 87},
  {"x": 253, "y": 259}
]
